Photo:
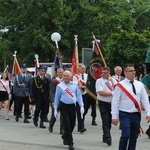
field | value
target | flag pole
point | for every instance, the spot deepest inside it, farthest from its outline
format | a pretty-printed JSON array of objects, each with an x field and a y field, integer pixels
[
  {"x": 76, "y": 50},
  {"x": 99, "y": 50}
]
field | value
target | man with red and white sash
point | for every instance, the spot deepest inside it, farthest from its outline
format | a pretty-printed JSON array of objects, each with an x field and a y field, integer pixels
[
  {"x": 128, "y": 95},
  {"x": 66, "y": 96},
  {"x": 104, "y": 89}
]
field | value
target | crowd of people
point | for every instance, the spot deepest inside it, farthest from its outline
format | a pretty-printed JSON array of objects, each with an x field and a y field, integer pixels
[{"x": 119, "y": 100}]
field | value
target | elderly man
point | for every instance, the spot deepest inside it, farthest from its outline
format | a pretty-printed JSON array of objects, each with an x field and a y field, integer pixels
[
  {"x": 67, "y": 94},
  {"x": 117, "y": 76}
]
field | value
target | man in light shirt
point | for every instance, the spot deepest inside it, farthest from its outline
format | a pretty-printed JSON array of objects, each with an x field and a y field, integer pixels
[
  {"x": 104, "y": 89},
  {"x": 128, "y": 95},
  {"x": 66, "y": 96}
]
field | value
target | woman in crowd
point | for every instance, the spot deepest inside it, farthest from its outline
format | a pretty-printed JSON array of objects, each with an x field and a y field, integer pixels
[{"x": 5, "y": 93}]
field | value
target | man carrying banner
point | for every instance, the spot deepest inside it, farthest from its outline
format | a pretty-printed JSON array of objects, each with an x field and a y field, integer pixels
[
  {"x": 128, "y": 95},
  {"x": 67, "y": 94},
  {"x": 104, "y": 89}
]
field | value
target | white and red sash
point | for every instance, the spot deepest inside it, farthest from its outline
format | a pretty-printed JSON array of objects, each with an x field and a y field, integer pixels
[
  {"x": 79, "y": 80},
  {"x": 68, "y": 92},
  {"x": 109, "y": 86},
  {"x": 4, "y": 86},
  {"x": 115, "y": 78},
  {"x": 132, "y": 97},
  {"x": 56, "y": 81}
]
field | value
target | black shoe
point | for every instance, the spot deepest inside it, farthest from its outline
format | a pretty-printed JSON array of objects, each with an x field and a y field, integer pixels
[
  {"x": 20, "y": 116},
  {"x": 70, "y": 147},
  {"x": 65, "y": 142},
  {"x": 108, "y": 141},
  {"x": 104, "y": 140},
  {"x": 50, "y": 129},
  {"x": 35, "y": 122},
  {"x": 26, "y": 121},
  {"x": 94, "y": 123},
  {"x": 42, "y": 125},
  {"x": 82, "y": 130},
  {"x": 46, "y": 120},
  {"x": 29, "y": 117},
  {"x": 17, "y": 118},
  {"x": 148, "y": 133}
]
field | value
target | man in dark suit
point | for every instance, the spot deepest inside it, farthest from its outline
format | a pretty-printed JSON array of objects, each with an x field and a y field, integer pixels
[
  {"x": 53, "y": 85},
  {"x": 22, "y": 90},
  {"x": 40, "y": 95}
]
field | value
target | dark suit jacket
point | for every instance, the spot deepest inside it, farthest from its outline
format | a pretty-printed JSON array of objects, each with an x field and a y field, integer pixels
[
  {"x": 40, "y": 89},
  {"x": 22, "y": 86}
]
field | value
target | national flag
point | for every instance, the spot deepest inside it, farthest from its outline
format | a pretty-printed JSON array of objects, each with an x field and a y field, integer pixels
[
  {"x": 57, "y": 61},
  {"x": 36, "y": 66},
  {"x": 16, "y": 67},
  {"x": 95, "y": 70},
  {"x": 75, "y": 60}
]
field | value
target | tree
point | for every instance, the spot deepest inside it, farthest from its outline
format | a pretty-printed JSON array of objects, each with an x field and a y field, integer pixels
[{"x": 126, "y": 47}]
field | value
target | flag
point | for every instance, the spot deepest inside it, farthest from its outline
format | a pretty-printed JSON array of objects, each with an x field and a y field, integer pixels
[
  {"x": 75, "y": 60},
  {"x": 95, "y": 70},
  {"x": 16, "y": 67},
  {"x": 36, "y": 66},
  {"x": 57, "y": 61}
]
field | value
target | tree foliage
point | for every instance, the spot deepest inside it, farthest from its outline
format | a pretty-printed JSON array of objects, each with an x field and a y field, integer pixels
[{"x": 31, "y": 23}]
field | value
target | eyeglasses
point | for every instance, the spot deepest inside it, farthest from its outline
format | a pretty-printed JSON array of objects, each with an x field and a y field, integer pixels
[
  {"x": 131, "y": 71},
  {"x": 105, "y": 72}
]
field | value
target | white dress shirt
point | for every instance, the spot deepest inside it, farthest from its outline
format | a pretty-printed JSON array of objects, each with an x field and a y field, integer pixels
[
  {"x": 100, "y": 85},
  {"x": 121, "y": 101}
]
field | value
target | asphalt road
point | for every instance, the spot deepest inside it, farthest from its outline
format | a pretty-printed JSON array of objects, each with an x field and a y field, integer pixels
[{"x": 20, "y": 136}]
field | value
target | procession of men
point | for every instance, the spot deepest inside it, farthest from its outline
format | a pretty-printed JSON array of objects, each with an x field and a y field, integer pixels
[{"x": 65, "y": 95}]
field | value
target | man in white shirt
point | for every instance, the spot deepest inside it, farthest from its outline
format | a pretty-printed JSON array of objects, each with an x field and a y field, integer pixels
[
  {"x": 104, "y": 89},
  {"x": 117, "y": 76},
  {"x": 81, "y": 79},
  {"x": 126, "y": 108}
]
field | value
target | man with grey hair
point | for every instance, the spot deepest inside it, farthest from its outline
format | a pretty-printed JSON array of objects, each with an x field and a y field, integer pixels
[
  {"x": 117, "y": 76},
  {"x": 66, "y": 97},
  {"x": 53, "y": 83}
]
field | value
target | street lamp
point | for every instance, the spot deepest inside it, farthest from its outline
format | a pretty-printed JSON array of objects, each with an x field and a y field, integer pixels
[{"x": 55, "y": 37}]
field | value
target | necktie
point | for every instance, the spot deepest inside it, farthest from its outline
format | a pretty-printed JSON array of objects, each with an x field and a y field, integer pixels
[
  {"x": 83, "y": 82},
  {"x": 83, "y": 77},
  {"x": 133, "y": 87},
  {"x": 24, "y": 76}
]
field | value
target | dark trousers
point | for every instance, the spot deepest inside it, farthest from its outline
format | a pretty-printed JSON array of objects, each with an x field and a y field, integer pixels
[
  {"x": 79, "y": 119},
  {"x": 130, "y": 124},
  {"x": 14, "y": 100},
  {"x": 105, "y": 112},
  {"x": 68, "y": 113},
  {"x": 20, "y": 102},
  {"x": 40, "y": 108},
  {"x": 53, "y": 120},
  {"x": 90, "y": 102}
]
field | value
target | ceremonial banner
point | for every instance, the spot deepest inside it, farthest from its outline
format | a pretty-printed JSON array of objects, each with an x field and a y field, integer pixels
[
  {"x": 75, "y": 60},
  {"x": 57, "y": 61},
  {"x": 95, "y": 70},
  {"x": 16, "y": 67}
]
